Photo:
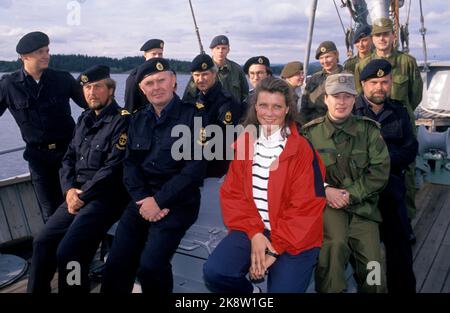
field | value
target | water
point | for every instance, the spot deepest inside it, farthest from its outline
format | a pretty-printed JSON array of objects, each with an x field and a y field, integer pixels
[{"x": 13, "y": 164}]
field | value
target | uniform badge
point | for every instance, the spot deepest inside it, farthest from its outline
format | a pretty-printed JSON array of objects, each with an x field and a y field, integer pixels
[
  {"x": 342, "y": 79},
  {"x": 159, "y": 66},
  {"x": 323, "y": 49},
  {"x": 260, "y": 61},
  {"x": 380, "y": 73},
  {"x": 124, "y": 112},
  {"x": 202, "y": 137},
  {"x": 228, "y": 117},
  {"x": 161, "y": 45},
  {"x": 204, "y": 66},
  {"x": 122, "y": 141},
  {"x": 84, "y": 78},
  {"x": 199, "y": 105}
]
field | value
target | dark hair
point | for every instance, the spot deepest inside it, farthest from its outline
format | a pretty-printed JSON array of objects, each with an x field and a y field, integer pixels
[{"x": 273, "y": 85}]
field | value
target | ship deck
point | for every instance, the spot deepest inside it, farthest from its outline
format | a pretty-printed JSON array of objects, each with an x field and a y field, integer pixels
[{"x": 431, "y": 251}]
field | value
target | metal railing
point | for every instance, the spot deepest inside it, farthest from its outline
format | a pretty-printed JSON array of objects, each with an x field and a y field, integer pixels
[{"x": 12, "y": 150}]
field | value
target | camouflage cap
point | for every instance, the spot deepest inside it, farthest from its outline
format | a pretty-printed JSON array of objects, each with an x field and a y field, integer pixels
[
  {"x": 342, "y": 82},
  {"x": 325, "y": 47},
  {"x": 381, "y": 25},
  {"x": 291, "y": 69}
]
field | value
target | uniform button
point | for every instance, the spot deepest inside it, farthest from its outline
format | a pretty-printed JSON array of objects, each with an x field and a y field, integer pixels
[
  {"x": 85, "y": 139},
  {"x": 138, "y": 145},
  {"x": 339, "y": 155},
  {"x": 153, "y": 163},
  {"x": 97, "y": 146},
  {"x": 82, "y": 158}
]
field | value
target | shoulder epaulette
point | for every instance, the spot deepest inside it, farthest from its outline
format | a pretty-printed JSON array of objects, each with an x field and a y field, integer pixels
[
  {"x": 371, "y": 121},
  {"x": 314, "y": 122}
]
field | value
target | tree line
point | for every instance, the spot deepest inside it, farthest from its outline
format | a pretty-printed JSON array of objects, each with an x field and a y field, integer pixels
[{"x": 76, "y": 63}]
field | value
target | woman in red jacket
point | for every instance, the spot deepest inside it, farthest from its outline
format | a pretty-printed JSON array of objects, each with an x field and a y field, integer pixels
[{"x": 272, "y": 201}]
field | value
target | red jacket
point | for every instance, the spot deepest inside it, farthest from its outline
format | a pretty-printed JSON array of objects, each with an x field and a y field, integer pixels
[{"x": 295, "y": 195}]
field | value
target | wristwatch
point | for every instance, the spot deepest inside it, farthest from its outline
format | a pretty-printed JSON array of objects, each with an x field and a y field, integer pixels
[{"x": 271, "y": 253}]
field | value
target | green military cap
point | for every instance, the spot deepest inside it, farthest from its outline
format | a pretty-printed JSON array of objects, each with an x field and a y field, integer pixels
[
  {"x": 325, "y": 47},
  {"x": 342, "y": 82},
  {"x": 291, "y": 69},
  {"x": 381, "y": 25}
]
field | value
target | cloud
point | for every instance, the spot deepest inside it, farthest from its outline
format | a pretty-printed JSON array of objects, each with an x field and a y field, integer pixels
[{"x": 277, "y": 29}]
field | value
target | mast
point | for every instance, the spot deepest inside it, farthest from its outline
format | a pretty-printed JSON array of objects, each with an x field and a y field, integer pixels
[
  {"x": 202, "y": 51},
  {"x": 312, "y": 17}
]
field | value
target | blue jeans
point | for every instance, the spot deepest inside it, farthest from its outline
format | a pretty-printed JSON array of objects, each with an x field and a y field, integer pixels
[{"x": 227, "y": 267}]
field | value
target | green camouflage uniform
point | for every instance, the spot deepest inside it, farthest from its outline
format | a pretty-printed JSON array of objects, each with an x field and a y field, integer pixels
[
  {"x": 407, "y": 86},
  {"x": 232, "y": 78},
  {"x": 313, "y": 105},
  {"x": 356, "y": 159}
]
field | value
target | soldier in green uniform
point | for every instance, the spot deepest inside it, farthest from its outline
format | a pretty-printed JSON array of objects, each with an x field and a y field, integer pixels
[
  {"x": 357, "y": 169},
  {"x": 407, "y": 86},
  {"x": 312, "y": 105},
  {"x": 230, "y": 74},
  {"x": 364, "y": 45}
]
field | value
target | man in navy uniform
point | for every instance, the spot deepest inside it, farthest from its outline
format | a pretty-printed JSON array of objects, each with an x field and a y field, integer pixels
[
  {"x": 134, "y": 99},
  {"x": 38, "y": 99},
  {"x": 257, "y": 68},
  {"x": 215, "y": 106},
  {"x": 164, "y": 188},
  {"x": 375, "y": 102},
  {"x": 91, "y": 178}
]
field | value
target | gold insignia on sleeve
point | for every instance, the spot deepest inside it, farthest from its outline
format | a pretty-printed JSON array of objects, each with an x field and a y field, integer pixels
[
  {"x": 228, "y": 117},
  {"x": 204, "y": 66},
  {"x": 202, "y": 137},
  {"x": 84, "y": 78},
  {"x": 260, "y": 61},
  {"x": 159, "y": 66},
  {"x": 122, "y": 141},
  {"x": 199, "y": 105},
  {"x": 124, "y": 112},
  {"x": 380, "y": 73},
  {"x": 323, "y": 49}
]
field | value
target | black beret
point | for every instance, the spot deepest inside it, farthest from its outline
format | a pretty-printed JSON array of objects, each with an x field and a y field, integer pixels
[
  {"x": 31, "y": 42},
  {"x": 375, "y": 69},
  {"x": 152, "y": 44},
  {"x": 201, "y": 62},
  {"x": 94, "y": 73},
  {"x": 361, "y": 32},
  {"x": 152, "y": 66},
  {"x": 325, "y": 47},
  {"x": 219, "y": 40},
  {"x": 256, "y": 60}
]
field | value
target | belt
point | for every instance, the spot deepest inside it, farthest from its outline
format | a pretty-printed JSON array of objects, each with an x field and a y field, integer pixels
[{"x": 49, "y": 146}]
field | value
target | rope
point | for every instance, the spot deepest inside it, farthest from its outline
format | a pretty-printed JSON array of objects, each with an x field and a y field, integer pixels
[{"x": 339, "y": 15}]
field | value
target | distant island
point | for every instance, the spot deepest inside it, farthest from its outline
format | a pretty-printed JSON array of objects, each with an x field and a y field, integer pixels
[{"x": 76, "y": 63}]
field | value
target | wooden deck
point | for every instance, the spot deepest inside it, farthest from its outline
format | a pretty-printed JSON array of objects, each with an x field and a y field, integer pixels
[{"x": 431, "y": 252}]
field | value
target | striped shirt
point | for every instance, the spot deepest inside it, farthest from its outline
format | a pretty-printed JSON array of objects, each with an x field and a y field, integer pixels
[{"x": 265, "y": 152}]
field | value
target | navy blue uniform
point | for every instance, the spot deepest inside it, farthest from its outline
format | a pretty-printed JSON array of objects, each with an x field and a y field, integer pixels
[
  {"x": 151, "y": 171},
  {"x": 93, "y": 163},
  {"x": 42, "y": 112},
  {"x": 134, "y": 98},
  {"x": 218, "y": 107},
  {"x": 397, "y": 132}
]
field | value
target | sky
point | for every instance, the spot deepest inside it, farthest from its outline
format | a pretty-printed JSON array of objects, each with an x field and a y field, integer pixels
[{"x": 274, "y": 28}]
